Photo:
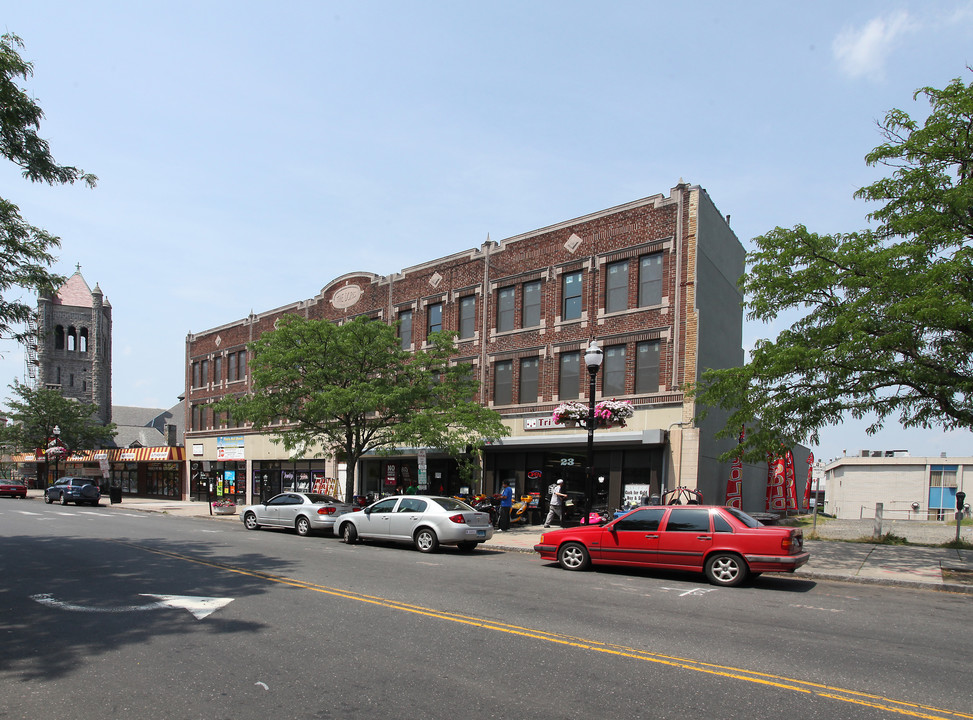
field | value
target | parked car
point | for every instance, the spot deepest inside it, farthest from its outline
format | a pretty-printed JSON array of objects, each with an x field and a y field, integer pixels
[
  {"x": 426, "y": 521},
  {"x": 724, "y": 543},
  {"x": 13, "y": 488},
  {"x": 305, "y": 512},
  {"x": 73, "y": 489}
]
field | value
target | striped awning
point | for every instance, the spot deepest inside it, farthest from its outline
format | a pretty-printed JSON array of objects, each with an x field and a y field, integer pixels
[{"x": 142, "y": 454}]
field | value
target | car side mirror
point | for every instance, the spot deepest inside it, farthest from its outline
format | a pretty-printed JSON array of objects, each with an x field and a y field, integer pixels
[{"x": 367, "y": 511}]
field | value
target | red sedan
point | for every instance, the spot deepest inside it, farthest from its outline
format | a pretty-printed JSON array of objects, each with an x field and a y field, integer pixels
[
  {"x": 13, "y": 488},
  {"x": 726, "y": 544}
]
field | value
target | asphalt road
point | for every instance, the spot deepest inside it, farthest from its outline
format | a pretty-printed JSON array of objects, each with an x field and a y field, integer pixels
[{"x": 102, "y": 617}]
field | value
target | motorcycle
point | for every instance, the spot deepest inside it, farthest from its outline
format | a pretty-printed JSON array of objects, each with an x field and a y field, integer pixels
[{"x": 482, "y": 503}]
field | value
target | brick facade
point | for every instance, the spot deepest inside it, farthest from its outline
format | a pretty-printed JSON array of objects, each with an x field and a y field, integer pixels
[{"x": 618, "y": 251}]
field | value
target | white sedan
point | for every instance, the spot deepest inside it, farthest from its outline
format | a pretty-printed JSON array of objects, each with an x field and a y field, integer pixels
[
  {"x": 423, "y": 520},
  {"x": 302, "y": 511}
]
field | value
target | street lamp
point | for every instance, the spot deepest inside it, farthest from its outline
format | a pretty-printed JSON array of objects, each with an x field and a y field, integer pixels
[
  {"x": 56, "y": 432},
  {"x": 592, "y": 359}
]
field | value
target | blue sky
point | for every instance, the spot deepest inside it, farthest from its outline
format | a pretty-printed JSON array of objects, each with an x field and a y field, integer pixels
[{"x": 248, "y": 153}]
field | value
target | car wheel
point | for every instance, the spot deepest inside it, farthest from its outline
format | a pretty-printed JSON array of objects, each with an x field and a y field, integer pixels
[
  {"x": 349, "y": 533},
  {"x": 467, "y": 546},
  {"x": 47, "y": 499},
  {"x": 573, "y": 556},
  {"x": 250, "y": 521},
  {"x": 426, "y": 540},
  {"x": 303, "y": 526},
  {"x": 726, "y": 569},
  {"x": 64, "y": 500}
]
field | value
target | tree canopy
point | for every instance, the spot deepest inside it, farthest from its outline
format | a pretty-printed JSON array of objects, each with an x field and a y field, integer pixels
[
  {"x": 887, "y": 312},
  {"x": 25, "y": 250},
  {"x": 352, "y": 389},
  {"x": 34, "y": 413}
]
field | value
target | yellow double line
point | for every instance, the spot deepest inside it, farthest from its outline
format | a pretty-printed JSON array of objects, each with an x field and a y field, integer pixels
[{"x": 876, "y": 702}]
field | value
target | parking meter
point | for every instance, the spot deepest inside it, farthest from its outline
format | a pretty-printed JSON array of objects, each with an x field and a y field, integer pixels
[{"x": 960, "y": 500}]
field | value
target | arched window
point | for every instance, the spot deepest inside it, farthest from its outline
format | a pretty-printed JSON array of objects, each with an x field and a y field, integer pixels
[
  {"x": 83, "y": 340},
  {"x": 72, "y": 339},
  {"x": 58, "y": 337}
]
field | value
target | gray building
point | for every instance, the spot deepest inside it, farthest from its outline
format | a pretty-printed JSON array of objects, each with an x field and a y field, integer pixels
[{"x": 74, "y": 344}]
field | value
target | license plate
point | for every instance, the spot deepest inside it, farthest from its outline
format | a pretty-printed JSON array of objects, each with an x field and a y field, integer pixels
[{"x": 481, "y": 533}]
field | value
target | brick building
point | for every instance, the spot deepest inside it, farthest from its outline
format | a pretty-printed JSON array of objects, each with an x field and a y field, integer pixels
[{"x": 653, "y": 281}]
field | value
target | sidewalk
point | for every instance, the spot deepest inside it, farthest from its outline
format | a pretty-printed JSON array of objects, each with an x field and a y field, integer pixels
[{"x": 913, "y": 566}]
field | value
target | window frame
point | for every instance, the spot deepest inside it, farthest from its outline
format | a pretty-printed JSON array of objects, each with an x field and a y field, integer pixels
[
  {"x": 568, "y": 300},
  {"x": 565, "y": 392},
  {"x": 616, "y": 289}
]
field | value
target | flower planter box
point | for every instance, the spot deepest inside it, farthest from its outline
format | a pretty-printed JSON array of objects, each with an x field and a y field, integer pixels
[{"x": 222, "y": 510}]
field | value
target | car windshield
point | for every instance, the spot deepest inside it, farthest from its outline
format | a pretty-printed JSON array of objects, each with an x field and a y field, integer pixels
[
  {"x": 744, "y": 518},
  {"x": 452, "y": 504},
  {"x": 317, "y": 498}
]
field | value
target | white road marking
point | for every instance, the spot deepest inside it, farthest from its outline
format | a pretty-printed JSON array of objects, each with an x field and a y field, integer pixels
[
  {"x": 200, "y": 607},
  {"x": 692, "y": 591}
]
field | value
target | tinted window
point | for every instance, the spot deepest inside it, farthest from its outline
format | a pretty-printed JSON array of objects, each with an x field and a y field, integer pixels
[
  {"x": 744, "y": 518},
  {"x": 721, "y": 524},
  {"x": 385, "y": 506},
  {"x": 412, "y": 505},
  {"x": 319, "y": 498},
  {"x": 647, "y": 519},
  {"x": 688, "y": 520},
  {"x": 452, "y": 505}
]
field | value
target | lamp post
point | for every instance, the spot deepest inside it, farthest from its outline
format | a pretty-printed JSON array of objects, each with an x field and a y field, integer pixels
[
  {"x": 592, "y": 359},
  {"x": 56, "y": 432}
]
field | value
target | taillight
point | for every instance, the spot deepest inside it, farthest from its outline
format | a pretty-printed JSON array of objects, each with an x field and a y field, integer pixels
[
  {"x": 458, "y": 519},
  {"x": 327, "y": 511}
]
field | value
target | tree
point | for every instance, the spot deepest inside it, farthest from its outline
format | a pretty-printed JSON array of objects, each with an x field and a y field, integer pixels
[
  {"x": 37, "y": 412},
  {"x": 887, "y": 325},
  {"x": 25, "y": 251},
  {"x": 352, "y": 389}
]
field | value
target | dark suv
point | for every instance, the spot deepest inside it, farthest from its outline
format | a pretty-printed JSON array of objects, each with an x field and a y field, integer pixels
[{"x": 74, "y": 489}]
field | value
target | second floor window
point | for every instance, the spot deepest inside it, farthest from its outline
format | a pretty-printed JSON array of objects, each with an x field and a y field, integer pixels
[
  {"x": 196, "y": 374},
  {"x": 435, "y": 318},
  {"x": 529, "y": 380},
  {"x": 571, "y": 296},
  {"x": 647, "y": 367},
  {"x": 505, "y": 309},
  {"x": 569, "y": 377},
  {"x": 467, "y": 317},
  {"x": 218, "y": 369},
  {"x": 405, "y": 329},
  {"x": 613, "y": 371},
  {"x": 204, "y": 372},
  {"x": 503, "y": 382}
]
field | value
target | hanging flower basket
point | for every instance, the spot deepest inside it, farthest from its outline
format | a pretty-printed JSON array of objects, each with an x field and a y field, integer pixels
[
  {"x": 608, "y": 413},
  {"x": 57, "y": 452}
]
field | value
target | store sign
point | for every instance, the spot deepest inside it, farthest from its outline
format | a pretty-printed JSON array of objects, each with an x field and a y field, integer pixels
[
  {"x": 127, "y": 456},
  {"x": 230, "y": 447},
  {"x": 541, "y": 423},
  {"x": 159, "y": 455}
]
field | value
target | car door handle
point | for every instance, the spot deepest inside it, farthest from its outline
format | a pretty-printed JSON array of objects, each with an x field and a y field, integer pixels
[
  {"x": 652, "y": 537},
  {"x": 704, "y": 537}
]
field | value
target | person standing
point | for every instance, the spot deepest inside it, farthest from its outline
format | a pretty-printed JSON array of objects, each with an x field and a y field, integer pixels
[
  {"x": 557, "y": 503},
  {"x": 506, "y": 502}
]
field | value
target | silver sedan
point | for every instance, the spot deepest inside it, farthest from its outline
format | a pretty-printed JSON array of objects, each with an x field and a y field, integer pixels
[
  {"x": 423, "y": 520},
  {"x": 302, "y": 511}
]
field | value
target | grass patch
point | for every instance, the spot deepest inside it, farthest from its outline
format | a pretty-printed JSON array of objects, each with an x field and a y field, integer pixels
[
  {"x": 886, "y": 539},
  {"x": 960, "y": 544}
]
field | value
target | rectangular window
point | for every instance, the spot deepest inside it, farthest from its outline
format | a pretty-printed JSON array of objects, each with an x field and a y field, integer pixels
[
  {"x": 569, "y": 379},
  {"x": 241, "y": 365},
  {"x": 467, "y": 317},
  {"x": 650, "y": 280},
  {"x": 503, "y": 382},
  {"x": 531, "y": 313},
  {"x": 195, "y": 375},
  {"x": 943, "y": 475},
  {"x": 529, "y": 368},
  {"x": 571, "y": 296},
  {"x": 230, "y": 367},
  {"x": 405, "y": 329},
  {"x": 505, "y": 309},
  {"x": 647, "y": 367},
  {"x": 435, "y": 318},
  {"x": 613, "y": 378},
  {"x": 218, "y": 369},
  {"x": 204, "y": 372},
  {"x": 616, "y": 287},
  {"x": 196, "y": 425}
]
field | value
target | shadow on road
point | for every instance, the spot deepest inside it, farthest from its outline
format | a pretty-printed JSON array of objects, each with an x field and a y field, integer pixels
[{"x": 109, "y": 584}]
